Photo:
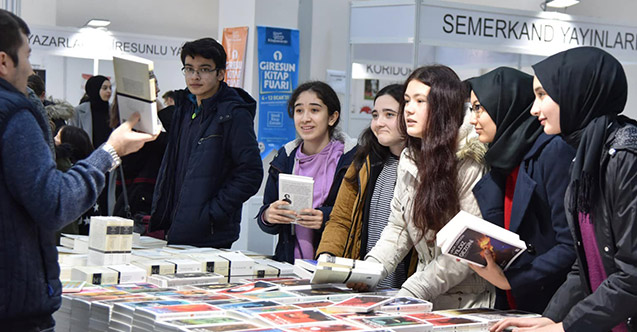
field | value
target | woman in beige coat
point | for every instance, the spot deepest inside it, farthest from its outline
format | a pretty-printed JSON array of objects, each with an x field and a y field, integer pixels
[{"x": 436, "y": 173}]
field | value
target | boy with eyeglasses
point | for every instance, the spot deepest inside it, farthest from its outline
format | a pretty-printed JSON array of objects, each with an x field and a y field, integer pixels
[{"x": 212, "y": 162}]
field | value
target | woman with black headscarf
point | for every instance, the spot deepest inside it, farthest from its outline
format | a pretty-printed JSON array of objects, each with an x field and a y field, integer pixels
[
  {"x": 93, "y": 117},
  {"x": 579, "y": 94},
  {"x": 524, "y": 190}
]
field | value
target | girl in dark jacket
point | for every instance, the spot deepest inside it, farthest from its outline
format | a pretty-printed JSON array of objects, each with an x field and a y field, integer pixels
[
  {"x": 524, "y": 190},
  {"x": 579, "y": 94},
  {"x": 362, "y": 205},
  {"x": 320, "y": 152}
]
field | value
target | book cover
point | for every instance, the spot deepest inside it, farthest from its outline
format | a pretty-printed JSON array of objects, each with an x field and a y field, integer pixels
[
  {"x": 466, "y": 236},
  {"x": 267, "y": 295},
  {"x": 425, "y": 315},
  {"x": 334, "y": 327},
  {"x": 216, "y": 287},
  {"x": 72, "y": 286},
  {"x": 362, "y": 303},
  {"x": 203, "y": 321},
  {"x": 258, "y": 286},
  {"x": 244, "y": 305},
  {"x": 389, "y": 321},
  {"x": 224, "y": 327},
  {"x": 255, "y": 311},
  {"x": 134, "y": 76},
  {"x": 296, "y": 317},
  {"x": 297, "y": 190},
  {"x": 314, "y": 304},
  {"x": 455, "y": 321},
  {"x": 407, "y": 304}
]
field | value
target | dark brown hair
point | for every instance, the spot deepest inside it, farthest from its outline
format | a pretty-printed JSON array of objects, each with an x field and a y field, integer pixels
[
  {"x": 436, "y": 199},
  {"x": 368, "y": 142},
  {"x": 325, "y": 93}
]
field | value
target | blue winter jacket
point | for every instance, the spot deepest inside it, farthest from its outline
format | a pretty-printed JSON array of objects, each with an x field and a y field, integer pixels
[
  {"x": 223, "y": 171},
  {"x": 36, "y": 200},
  {"x": 539, "y": 217},
  {"x": 284, "y": 163}
]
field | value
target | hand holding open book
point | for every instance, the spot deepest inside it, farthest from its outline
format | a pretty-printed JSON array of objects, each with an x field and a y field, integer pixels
[{"x": 466, "y": 237}]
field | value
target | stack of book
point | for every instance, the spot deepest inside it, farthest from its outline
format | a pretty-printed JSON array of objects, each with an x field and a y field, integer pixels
[
  {"x": 110, "y": 241},
  {"x": 330, "y": 269}
]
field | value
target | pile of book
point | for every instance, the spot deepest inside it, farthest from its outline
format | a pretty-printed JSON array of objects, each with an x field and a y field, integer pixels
[
  {"x": 157, "y": 264},
  {"x": 330, "y": 269},
  {"x": 260, "y": 304}
]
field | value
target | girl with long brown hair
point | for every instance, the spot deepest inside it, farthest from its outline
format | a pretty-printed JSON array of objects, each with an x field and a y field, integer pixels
[{"x": 436, "y": 173}]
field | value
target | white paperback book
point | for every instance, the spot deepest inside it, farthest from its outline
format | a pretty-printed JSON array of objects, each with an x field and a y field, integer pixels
[
  {"x": 136, "y": 83},
  {"x": 297, "y": 190}
]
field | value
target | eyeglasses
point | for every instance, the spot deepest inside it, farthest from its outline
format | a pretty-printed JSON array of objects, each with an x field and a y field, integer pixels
[
  {"x": 201, "y": 72},
  {"x": 477, "y": 109}
]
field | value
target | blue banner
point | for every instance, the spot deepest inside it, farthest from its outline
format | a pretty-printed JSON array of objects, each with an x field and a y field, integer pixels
[{"x": 278, "y": 55}]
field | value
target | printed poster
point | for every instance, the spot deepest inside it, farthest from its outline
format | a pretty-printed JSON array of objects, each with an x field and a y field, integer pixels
[
  {"x": 234, "y": 41},
  {"x": 278, "y": 55}
]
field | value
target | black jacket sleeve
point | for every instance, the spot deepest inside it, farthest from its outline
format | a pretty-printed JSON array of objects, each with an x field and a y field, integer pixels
[{"x": 613, "y": 302}]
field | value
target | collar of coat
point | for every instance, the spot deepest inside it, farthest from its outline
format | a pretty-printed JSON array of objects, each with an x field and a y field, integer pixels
[
  {"x": 468, "y": 148},
  {"x": 349, "y": 142}
]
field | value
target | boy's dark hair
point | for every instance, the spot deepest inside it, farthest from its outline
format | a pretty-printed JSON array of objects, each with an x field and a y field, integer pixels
[
  {"x": 169, "y": 94},
  {"x": 11, "y": 39},
  {"x": 325, "y": 93},
  {"x": 207, "y": 48},
  {"x": 36, "y": 84}
]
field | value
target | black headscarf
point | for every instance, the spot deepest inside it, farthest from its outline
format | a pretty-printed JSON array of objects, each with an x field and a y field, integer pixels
[
  {"x": 92, "y": 88},
  {"x": 99, "y": 109},
  {"x": 507, "y": 96},
  {"x": 591, "y": 88}
]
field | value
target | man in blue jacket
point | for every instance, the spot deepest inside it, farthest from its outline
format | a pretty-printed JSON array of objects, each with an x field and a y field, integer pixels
[
  {"x": 212, "y": 163},
  {"x": 36, "y": 200}
]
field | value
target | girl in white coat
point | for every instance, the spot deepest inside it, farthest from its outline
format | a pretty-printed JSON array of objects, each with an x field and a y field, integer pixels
[{"x": 437, "y": 170}]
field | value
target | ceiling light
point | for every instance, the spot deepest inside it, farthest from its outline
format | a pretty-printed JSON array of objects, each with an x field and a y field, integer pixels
[
  {"x": 97, "y": 23},
  {"x": 561, "y": 3}
]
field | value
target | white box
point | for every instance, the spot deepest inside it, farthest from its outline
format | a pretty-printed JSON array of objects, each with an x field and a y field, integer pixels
[
  {"x": 156, "y": 267},
  {"x": 96, "y": 275},
  {"x": 185, "y": 265},
  {"x": 128, "y": 274},
  {"x": 240, "y": 264}
]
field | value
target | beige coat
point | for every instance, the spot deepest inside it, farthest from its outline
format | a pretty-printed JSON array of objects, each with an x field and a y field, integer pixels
[{"x": 439, "y": 278}]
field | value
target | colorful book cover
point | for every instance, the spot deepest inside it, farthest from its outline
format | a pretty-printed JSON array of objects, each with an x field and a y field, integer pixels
[
  {"x": 453, "y": 321},
  {"x": 191, "y": 307},
  {"x": 267, "y": 295},
  {"x": 335, "y": 327},
  {"x": 426, "y": 315},
  {"x": 258, "y": 304},
  {"x": 322, "y": 291},
  {"x": 389, "y": 321},
  {"x": 72, "y": 286},
  {"x": 224, "y": 327},
  {"x": 406, "y": 304},
  {"x": 467, "y": 311},
  {"x": 255, "y": 311},
  {"x": 296, "y": 317},
  {"x": 258, "y": 286},
  {"x": 314, "y": 304},
  {"x": 218, "y": 286},
  {"x": 203, "y": 321},
  {"x": 362, "y": 303},
  {"x": 470, "y": 245}
]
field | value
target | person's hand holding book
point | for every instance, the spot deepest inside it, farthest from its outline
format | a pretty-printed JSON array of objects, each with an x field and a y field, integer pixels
[
  {"x": 276, "y": 213},
  {"x": 310, "y": 218},
  {"x": 492, "y": 272}
]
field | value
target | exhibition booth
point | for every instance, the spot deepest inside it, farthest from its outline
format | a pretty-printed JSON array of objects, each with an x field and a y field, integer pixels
[{"x": 389, "y": 38}]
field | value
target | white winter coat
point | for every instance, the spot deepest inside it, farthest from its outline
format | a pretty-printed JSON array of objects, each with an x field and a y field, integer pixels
[{"x": 440, "y": 279}]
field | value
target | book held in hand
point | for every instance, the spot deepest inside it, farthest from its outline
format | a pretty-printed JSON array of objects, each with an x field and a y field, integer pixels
[
  {"x": 466, "y": 236},
  {"x": 297, "y": 190},
  {"x": 136, "y": 91}
]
